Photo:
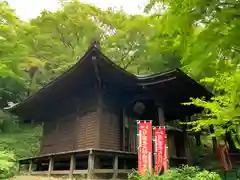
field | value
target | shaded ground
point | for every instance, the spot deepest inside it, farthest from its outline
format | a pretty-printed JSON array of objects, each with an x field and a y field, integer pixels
[
  {"x": 25, "y": 177},
  {"x": 28, "y": 177}
]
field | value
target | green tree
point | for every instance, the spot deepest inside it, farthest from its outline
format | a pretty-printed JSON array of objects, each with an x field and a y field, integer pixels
[
  {"x": 58, "y": 38},
  {"x": 135, "y": 44},
  {"x": 14, "y": 84},
  {"x": 223, "y": 110},
  {"x": 204, "y": 32},
  {"x": 12, "y": 54}
]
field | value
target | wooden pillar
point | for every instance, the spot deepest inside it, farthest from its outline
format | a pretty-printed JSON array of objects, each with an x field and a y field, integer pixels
[
  {"x": 161, "y": 117},
  {"x": 123, "y": 130},
  {"x": 90, "y": 164},
  {"x": 50, "y": 165},
  {"x": 115, "y": 167},
  {"x": 99, "y": 120},
  {"x": 97, "y": 163},
  {"x": 72, "y": 165},
  {"x": 188, "y": 149},
  {"x": 198, "y": 139},
  {"x": 30, "y": 166},
  {"x": 125, "y": 164},
  {"x": 100, "y": 96},
  {"x": 18, "y": 167},
  {"x": 214, "y": 139}
]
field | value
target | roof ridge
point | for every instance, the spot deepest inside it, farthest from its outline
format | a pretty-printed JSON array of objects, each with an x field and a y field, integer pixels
[{"x": 157, "y": 74}]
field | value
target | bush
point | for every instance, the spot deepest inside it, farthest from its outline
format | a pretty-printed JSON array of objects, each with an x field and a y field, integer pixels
[
  {"x": 183, "y": 173},
  {"x": 16, "y": 141},
  {"x": 22, "y": 140},
  {"x": 8, "y": 164}
]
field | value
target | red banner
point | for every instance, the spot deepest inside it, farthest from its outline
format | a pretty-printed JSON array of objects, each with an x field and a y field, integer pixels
[
  {"x": 145, "y": 147},
  {"x": 159, "y": 144},
  {"x": 223, "y": 158}
]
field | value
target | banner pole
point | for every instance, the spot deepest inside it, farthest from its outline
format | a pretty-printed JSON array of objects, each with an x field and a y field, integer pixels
[{"x": 166, "y": 149}]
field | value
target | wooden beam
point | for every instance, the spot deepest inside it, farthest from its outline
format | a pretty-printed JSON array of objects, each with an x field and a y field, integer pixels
[
  {"x": 187, "y": 141},
  {"x": 198, "y": 139},
  {"x": 80, "y": 172},
  {"x": 100, "y": 99},
  {"x": 39, "y": 173},
  {"x": 124, "y": 119},
  {"x": 125, "y": 164},
  {"x": 110, "y": 171},
  {"x": 83, "y": 152},
  {"x": 161, "y": 117},
  {"x": 72, "y": 165},
  {"x": 96, "y": 70},
  {"x": 115, "y": 167},
  {"x": 90, "y": 164},
  {"x": 214, "y": 139},
  {"x": 103, "y": 171},
  {"x": 109, "y": 153},
  {"x": 126, "y": 171},
  {"x": 187, "y": 149},
  {"x": 100, "y": 116},
  {"x": 50, "y": 165},
  {"x": 75, "y": 143},
  {"x": 18, "y": 166},
  {"x": 60, "y": 172},
  {"x": 156, "y": 82},
  {"x": 97, "y": 163}
]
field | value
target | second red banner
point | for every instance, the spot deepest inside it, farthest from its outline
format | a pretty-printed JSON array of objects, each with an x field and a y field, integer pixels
[{"x": 160, "y": 148}]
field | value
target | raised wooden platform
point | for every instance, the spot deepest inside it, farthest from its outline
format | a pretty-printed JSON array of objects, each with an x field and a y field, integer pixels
[
  {"x": 235, "y": 158},
  {"x": 89, "y": 163}
]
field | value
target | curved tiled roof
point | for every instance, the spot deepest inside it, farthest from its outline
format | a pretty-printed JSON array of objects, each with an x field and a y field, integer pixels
[{"x": 108, "y": 70}]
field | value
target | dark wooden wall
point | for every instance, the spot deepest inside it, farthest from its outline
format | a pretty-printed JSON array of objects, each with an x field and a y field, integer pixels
[
  {"x": 73, "y": 127},
  {"x": 110, "y": 123},
  {"x": 171, "y": 144},
  {"x": 94, "y": 120},
  {"x": 176, "y": 144},
  {"x": 87, "y": 131},
  {"x": 58, "y": 135}
]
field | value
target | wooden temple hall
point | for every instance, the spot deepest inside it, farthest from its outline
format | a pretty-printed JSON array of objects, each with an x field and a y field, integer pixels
[{"x": 89, "y": 115}]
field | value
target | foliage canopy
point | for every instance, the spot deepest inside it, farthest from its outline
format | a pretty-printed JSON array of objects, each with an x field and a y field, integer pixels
[{"x": 199, "y": 36}]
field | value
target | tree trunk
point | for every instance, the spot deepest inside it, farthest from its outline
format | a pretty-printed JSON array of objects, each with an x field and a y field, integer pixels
[
  {"x": 231, "y": 145},
  {"x": 198, "y": 140},
  {"x": 214, "y": 139}
]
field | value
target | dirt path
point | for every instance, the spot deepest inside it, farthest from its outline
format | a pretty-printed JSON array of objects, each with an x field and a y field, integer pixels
[{"x": 35, "y": 178}]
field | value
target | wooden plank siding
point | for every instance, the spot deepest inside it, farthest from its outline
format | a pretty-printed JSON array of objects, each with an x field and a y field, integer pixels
[
  {"x": 52, "y": 139},
  {"x": 64, "y": 137},
  {"x": 110, "y": 130},
  {"x": 171, "y": 144},
  {"x": 77, "y": 132},
  {"x": 132, "y": 135},
  {"x": 86, "y": 135},
  {"x": 75, "y": 129}
]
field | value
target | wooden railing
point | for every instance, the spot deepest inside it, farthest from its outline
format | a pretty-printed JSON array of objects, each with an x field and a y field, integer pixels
[
  {"x": 91, "y": 167},
  {"x": 235, "y": 158}
]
